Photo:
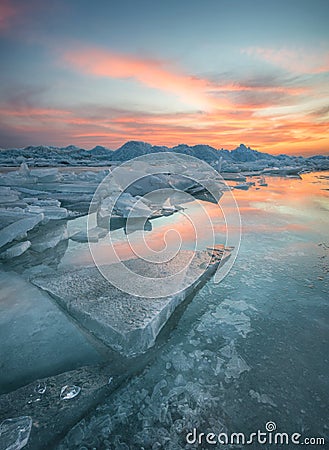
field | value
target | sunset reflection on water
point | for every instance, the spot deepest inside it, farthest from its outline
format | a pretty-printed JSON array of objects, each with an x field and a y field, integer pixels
[{"x": 286, "y": 205}]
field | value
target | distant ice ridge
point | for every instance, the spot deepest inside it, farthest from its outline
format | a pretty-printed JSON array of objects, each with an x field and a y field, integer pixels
[{"x": 242, "y": 158}]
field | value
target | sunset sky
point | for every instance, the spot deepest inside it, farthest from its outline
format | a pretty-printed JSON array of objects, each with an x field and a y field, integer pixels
[{"x": 217, "y": 72}]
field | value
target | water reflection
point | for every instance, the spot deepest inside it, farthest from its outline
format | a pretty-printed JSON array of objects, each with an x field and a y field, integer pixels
[{"x": 285, "y": 205}]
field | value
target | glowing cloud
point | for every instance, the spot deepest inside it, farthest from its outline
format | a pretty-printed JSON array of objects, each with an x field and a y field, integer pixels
[{"x": 151, "y": 73}]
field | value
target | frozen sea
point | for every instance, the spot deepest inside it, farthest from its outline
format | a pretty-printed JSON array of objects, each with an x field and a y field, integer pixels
[{"x": 250, "y": 350}]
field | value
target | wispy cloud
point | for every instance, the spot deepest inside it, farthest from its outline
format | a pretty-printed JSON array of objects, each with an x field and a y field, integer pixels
[
  {"x": 152, "y": 73},
  {"x": 200, "y": 92},
  {"x": 294, "y": 60}
]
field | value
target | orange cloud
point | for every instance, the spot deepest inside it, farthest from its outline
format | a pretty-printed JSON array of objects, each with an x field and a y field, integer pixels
[{"x": 217, "y": 128}]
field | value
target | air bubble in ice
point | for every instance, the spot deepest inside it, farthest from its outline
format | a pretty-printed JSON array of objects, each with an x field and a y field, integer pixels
[
  {"x": 68, "y": 392},
  {"x": 40, "y": 388}
]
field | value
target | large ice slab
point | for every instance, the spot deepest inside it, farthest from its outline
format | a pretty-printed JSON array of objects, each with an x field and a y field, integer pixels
[{"x": 125, "y": 322}]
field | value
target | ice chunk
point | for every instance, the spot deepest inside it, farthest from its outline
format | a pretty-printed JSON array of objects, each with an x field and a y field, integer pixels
[
  {"x": 148, "y": 183},
  {"x": 50, "y": 236},
  {"x": 127, "y": 205},
  {"x": 15, "y": 433},
  {"x": 11, "y": 215},
  {"x": 42, "y": 202},
  {"x": 242, "y": 186},
  {"x": 8, "y": 195},
  {"x": 235, "y": 367},
  {"x": 127, "y": 323},
  {"x": 24, "y": 170},
  {"x": 16, "y": 250},
  {"x": 68, "y": 392},
  {"x": 240, "y": 321},
  {"x": 19, "y": 228},
  {"x": 235, "y": 364},
  {"x": 180, "y": 182},
  {"x": 45, "y": 175},
  {"x": 50, "y": 212}
]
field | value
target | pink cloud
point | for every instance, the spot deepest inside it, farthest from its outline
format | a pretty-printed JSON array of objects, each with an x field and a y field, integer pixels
[
  {"x": 7, "y": 13},
  {"x": 152, "y": 73}
]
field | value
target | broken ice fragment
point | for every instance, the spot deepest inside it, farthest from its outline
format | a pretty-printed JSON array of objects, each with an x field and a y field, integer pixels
[
  {"x": 52, "y": 234},
  {"x": 16, "y": 250},
  {"x": 68, "y": 392},
  {"x": 15, "y": 433},
  {"x": 19, "y": 228},
  {"x": 49, "y": 211},
  {"x": 24, "y": 170}
]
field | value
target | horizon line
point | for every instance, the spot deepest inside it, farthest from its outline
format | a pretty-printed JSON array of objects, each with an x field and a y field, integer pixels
[{"x": 163, "y": 145}]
